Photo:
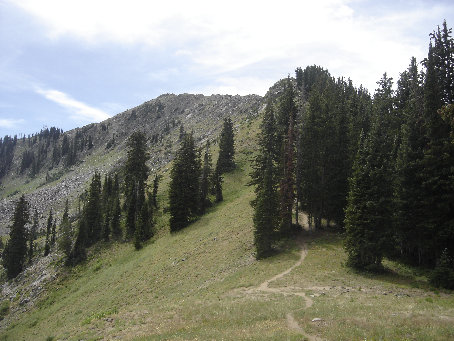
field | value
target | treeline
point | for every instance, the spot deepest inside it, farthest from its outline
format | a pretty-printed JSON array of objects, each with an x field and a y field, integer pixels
[
  {"x": 122, "y": 206},
  {"x": 48, "y": 148},
  {"x": 380, "y": 168}
]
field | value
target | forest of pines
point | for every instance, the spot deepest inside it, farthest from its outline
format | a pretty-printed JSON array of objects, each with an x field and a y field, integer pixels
[{"x": 380, "y": 169}]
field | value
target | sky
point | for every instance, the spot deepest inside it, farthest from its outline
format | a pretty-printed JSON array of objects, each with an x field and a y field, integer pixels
[{"x": 68, "y": 63}]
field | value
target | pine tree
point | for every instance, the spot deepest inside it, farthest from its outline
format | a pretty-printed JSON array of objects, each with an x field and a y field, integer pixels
[
  {"x": 15, "y": 253},
  {"x": 184, "y": 185},
  {"x": 48, "y": 233},
  {"x": 411, "y": 232},
  {"x": 65, "y": 241},
  {"x": 32, "y": 235},
  {"x": 78, "y": 253},
  {"x": 287, "y": 183},
  {"x": 155, "y": 191},
  {"x": 54, "y": 233},
  {"x": 265, "y": 212},
  {"x": 264, "y": 178},
  {"x": 136, "y": 173},
  {"x": 116, "y": 217},
  {"x": 368, "y": 216},
  {"x": 93, "y": 210},
  {"x": 226, "y": 161},
  {"x": 205, "y": 181},
  {"x": 438, "y": 158}
]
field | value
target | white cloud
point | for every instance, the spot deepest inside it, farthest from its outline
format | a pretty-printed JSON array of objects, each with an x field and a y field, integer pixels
[
  {"x": 78, "y": 110},
  {"x": 218, "y": 38},
  {"x": 10, "y": 123}
]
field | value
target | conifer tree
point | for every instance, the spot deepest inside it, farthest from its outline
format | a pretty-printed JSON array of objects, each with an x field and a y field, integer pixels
[
  {"x": 411, "y": 232},
  {"x": 369, "y": 210},
  {"x": 65, "y": 241},
  {"x": 78, "y": 253},
  {"x": 144, "y": 223},
  {"x": 116, "y": 217},
  {"x": 226, "y": 161},
  {"x": 54, "y": 233},
  {"x": 265, "y": 212},
  {"x": 32, "y": 236},
  {"x": 205, "y": 181},
  {"x": 93, "y": 210},
  {"x": 438, "y": 157},
  {"x": 264, "y": 178},
  {"x": 155, "y": 191},
  {"x": 136, "y": 173},
  {"x": 184, "y": 185},
  {"x": 15, "y": 253},
  {"x": 48, "y": 233},
  {"x": 287, "y": 183}
]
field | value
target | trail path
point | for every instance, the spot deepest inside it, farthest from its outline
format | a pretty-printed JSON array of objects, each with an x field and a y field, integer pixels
[{"x": 265, "y": 287}]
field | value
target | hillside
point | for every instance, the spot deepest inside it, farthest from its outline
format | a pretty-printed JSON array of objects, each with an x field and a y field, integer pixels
[
  {"x": 160, "y": 118},
  {"x": 204, "y": 283}
]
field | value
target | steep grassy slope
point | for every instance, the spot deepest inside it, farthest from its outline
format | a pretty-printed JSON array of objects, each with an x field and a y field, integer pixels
[{"x": 204, "y": 283}]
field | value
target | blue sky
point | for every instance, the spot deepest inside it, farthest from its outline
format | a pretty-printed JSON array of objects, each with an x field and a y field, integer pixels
[{"x": 67, "y": 63}]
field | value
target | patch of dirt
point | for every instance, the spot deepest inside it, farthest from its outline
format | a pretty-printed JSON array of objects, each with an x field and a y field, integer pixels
[{"x": 264, "y": 288}]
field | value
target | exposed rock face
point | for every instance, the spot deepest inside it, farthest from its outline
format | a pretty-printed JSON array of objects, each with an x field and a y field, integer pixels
[
  {"x": 28, "y": 286},
  {"x": 160, "y": 119}
]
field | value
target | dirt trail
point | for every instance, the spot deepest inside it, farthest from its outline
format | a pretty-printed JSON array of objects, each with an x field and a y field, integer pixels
[{"x": 265, "y": 287}]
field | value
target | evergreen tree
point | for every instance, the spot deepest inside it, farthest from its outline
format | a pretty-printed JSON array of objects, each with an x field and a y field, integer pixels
[
  {"x": 264, "y": 178},
  {"x": 107, "y": 206},
  {"x": 287, "y": 183},
  {"x": 225, "y": 161},
  {"x": 437, "y": 162},
  {"x": 136, "y": 173},
  {"x": 78, "y": 253},
  {"x": 15, "y": 253},
  {"x": 48, "y": 233},
  {"x": 65, "y": 241},
  {"x": 155, "y": 191},
  {"x": 205, "y": 181},
  {"x": 144, "y": 223},
  {"x": 369, "y": 203},
  {"x": 32, "y": 236},
  {"x": 411, "y": 232},
  {"x": 116, "y": 210},
  {"x": 93, "y": 210},
  {"x": 54, "y": 233},
  {"x": 265, "y": 212},
  {"x": 184, "y": 185}
]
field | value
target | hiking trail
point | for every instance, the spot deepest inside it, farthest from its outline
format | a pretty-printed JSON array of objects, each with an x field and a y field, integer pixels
[{"x": 292, "y": 323}]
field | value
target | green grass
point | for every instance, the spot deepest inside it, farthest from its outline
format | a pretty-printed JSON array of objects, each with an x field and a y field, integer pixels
[{"x": 192, "y": 285}]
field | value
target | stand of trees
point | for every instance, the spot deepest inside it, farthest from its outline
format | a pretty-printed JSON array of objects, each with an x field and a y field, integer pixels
[
  {"x": 381, "y": 167},
  {"x": 192, "y": 183}
]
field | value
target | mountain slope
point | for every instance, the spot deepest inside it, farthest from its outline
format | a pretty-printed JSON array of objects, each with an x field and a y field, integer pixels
[
  {"x": 159, "y": 118},
  {"x": 204, "y": 283}
]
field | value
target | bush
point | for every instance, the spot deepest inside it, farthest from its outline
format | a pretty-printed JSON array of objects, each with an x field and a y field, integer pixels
[
  {"x": 4, "y": 309},
  {"x": 443, "y": 274}
]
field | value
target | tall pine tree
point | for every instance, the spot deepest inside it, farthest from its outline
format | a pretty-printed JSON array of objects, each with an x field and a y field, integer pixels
[
  {"x": 184, "y": 185},
  {"x": 14, "y": 255},
  {"x": 226, "y": 161},
  {"x": 136, "y": 174}
]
